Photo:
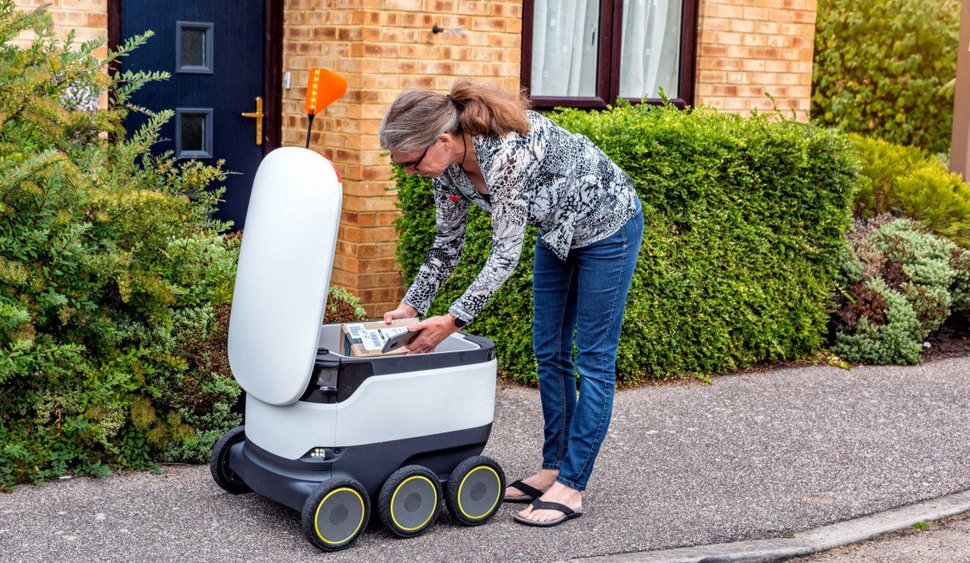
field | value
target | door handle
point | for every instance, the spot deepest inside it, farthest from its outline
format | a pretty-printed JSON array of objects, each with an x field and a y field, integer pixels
[{"x": 258, "y": 116}]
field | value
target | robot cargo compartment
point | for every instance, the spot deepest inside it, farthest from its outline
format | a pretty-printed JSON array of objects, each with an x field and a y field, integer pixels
[
  {"x": 336, "y": 377},
  {"x": 333, "y": 337}
]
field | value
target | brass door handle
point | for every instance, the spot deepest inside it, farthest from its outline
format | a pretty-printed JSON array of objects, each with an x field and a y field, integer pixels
[{"x": 258, "y": 115}]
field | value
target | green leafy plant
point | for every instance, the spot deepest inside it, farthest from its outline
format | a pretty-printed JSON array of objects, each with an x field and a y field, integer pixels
[
  {"x": 905, "y": 181},
  {"x": 112, "y": 273},
  {"x": 115, "y": 281},
  {"x": 343, "y": 306},
  {"x": 744, "y": 233},
  {"x": 887, "y": 69},
  {"x": 900, "y": 284}
]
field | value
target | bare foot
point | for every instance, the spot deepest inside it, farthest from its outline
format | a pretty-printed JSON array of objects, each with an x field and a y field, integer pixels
[
  {"x": 557, "y": 493},
  {"x": 541, "y": 480}
]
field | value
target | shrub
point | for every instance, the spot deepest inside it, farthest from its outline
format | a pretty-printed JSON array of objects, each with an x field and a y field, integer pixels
[
  {"x": 112, "y": 274},
  {"x": 887, "y": 68},
  {"x": 900, "y": 284},
  {"x": 342, "y": 307},
  {"x": 115, "y": 283},
  {"x": 906, "y": 181},
  {"x": 744, "y": 223}
]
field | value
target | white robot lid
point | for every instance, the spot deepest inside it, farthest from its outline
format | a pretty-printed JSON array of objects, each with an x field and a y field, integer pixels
[{"x": 283, "y": 274}]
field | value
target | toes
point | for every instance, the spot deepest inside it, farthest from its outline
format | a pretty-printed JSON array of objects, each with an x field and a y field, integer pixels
[
  {"x": 540, "y": 516},
  {"x": 543, "y": 516}
]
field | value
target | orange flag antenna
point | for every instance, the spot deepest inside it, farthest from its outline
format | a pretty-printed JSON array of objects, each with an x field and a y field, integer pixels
[{"x": 324, "y": 88}]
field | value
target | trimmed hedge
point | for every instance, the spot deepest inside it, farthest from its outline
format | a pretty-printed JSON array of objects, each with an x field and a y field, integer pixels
[
  {"x": 744, "y": 233},
  {"x": 887, "y": 68}
]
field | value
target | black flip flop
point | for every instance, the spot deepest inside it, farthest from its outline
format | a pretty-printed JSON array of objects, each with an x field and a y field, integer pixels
[
  {"x": 531, "y": 493},
  {"x": 567, "y": 514}
]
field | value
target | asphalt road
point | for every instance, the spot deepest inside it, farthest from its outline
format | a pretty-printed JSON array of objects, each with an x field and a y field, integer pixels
[{"x": 750, "y": 456}]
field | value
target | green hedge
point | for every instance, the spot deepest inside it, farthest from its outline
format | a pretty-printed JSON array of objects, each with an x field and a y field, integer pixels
[
  {"x": 886, "y": 68},
  {"x": 744, "y": 223},
  {"x": 906, "y": 181}
]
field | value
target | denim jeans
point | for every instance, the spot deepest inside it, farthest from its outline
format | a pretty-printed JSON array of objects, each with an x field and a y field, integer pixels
[{"x": 585, "y": 296}]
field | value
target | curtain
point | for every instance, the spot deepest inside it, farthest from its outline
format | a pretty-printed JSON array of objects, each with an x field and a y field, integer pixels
[
  {"x": 565, "y": 37},
  {"x": 650, "y": 53},
  {"x": 564, "y": 47}
]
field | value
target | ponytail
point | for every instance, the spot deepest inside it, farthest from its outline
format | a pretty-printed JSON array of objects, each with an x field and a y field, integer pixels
[
  {"x": 486, "y": 109},
  {"x": 418, "y": 117}
]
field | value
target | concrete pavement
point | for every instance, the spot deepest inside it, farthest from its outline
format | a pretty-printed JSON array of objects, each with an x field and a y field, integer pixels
[
  {"x": 946, "y": 541},
  {"x": 753, "y": 456}
]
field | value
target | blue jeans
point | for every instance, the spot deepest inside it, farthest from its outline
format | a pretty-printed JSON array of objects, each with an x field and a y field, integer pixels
[{"x": 585, "y": 296}]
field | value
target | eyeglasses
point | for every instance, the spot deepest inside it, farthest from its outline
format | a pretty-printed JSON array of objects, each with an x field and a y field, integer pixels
[{"x": 413, "y": 164}]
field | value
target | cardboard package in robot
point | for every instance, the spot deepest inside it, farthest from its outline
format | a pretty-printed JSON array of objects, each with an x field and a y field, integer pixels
[{"x": 364, "y": 340}]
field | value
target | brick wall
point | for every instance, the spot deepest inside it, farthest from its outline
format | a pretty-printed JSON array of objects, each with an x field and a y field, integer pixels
[
  {"x": 746, "y": 48},
  {"x": 383, "y": 47},
  {"x": 88, "y": 19}
]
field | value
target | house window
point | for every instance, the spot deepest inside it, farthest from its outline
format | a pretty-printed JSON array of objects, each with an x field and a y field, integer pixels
[{"x": 588, "y": 53}]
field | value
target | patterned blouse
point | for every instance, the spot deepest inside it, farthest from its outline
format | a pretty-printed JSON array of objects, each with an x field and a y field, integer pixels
[{"x": 551, "y": 178}]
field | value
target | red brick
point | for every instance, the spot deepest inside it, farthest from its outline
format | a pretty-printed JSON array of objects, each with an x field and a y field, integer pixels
[
  {"x": 402, "y": 5},
  {"x": 99, "y": 20},
  {"x": 712, "y": 77},
  {"x": 754, "y": 40}
]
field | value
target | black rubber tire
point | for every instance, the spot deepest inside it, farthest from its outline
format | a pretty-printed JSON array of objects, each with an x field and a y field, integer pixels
[
  {"x": 219, "y": 462},
  {"x": 487, "y": 494},
  {"x": 409, "y": 521},
  {"x": 347, "y": 493}
]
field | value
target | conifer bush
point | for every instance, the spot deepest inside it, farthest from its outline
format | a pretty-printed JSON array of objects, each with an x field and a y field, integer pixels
[
  {"x": 905, "y": 181},
  {"x": 744, "y": 234},
  {"x": 900, "y": 284}
]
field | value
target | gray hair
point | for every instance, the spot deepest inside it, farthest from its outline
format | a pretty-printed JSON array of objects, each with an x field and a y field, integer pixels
[{"x": 416, "y": 119}]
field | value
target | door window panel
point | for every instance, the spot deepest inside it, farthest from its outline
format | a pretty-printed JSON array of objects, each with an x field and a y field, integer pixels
[
  {"x": 193, "y": 47},
  {"x": 193, "y": 132}
]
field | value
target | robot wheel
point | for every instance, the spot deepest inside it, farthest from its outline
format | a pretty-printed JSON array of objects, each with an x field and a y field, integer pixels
[
  {"x": 335, "y": 513},
  {"x": 410, "y": 501},
  {"x": 219, "y": 462},
  {"x": 475, "y": 490}
]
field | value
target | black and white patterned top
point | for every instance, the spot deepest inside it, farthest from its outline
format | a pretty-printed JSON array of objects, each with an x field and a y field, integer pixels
[{"x": 551, "y": 178}]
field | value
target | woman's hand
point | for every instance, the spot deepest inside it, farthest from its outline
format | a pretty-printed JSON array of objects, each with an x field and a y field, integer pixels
[
  {"x": 433, "y": 331},
  {"x": 402, "y": 312}
]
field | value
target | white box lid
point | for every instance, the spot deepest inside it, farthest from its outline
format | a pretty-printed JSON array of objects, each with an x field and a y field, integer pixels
[{"x": 283, "y": 275}]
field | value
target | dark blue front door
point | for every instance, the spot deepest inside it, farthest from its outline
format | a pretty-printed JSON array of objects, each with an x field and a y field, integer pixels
[{"x": 215, "y": 53}]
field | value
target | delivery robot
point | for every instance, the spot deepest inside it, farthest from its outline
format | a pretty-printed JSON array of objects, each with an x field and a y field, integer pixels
[{"x": 334, "y": 436}]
